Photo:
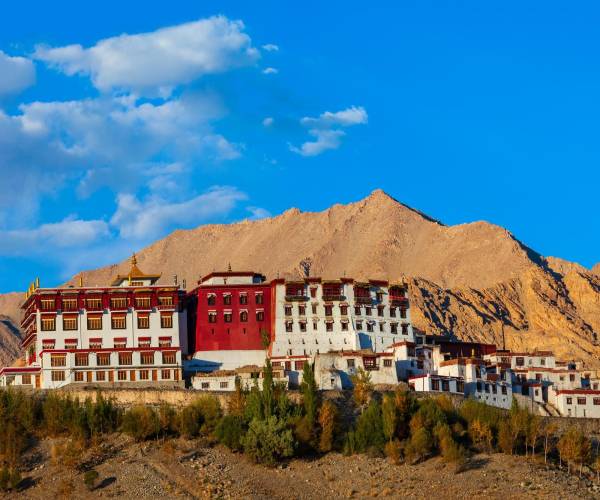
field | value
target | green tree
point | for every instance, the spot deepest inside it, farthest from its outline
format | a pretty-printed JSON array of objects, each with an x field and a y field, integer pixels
[
  {"x": 310, "y": 396},
  {"x": 268, "y": 388},
  {"x": 268, "y": 441},
  {"x": 141, "y": 423},
  {"x": 369, "y": 429},
  {"x": 389, "y": 416}
]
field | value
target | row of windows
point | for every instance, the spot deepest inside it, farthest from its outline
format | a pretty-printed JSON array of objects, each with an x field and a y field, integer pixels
[
  {"x": 49, "y": 344},
  {"x": 228, "y": 316},
  {"x": 103, "y": 359},
  {"x": 116, "y": 323},
  {"x": 490, "y": 388},
  {"x": 445, "y": 385},
  {"x": 122, "y": 375},
  {"x": 222, "y": 385},
  {"x": 329, "y": 326},
  {"x": 288, "y": 310},
  {"x": 97, "y": 303},
  {"x": 211, "y": 299},
  {"x": 583, "y": 401}
]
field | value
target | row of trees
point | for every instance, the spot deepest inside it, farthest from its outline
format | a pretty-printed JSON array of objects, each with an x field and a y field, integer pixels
[{"x": 268, "y": 426}]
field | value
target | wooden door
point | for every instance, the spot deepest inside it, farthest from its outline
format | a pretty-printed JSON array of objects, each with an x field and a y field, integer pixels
[
  {"x": 38, "y": 382},
  {"x": 89, "y": 376},
  {"x": 154, "y": 375},
  {"x": 132, "y": 373},
  {"x": 111, "y": 376}
]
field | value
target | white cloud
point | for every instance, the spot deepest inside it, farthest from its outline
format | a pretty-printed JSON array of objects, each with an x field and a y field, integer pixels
[
  {"x": 258, "y": 213},
  {"x": 70, "y": 233},
  {"x": 270, "y": 71},
  {"x": 326, "y": 129},
  {"x": 155, "y": 63},
  {"x": 149, "y": 219},
  {"x": 270, "y": 47},
  {"x": 325, "y": 139},
  {"x": 345, "y": 118},
  {"x": 268, "y": 121},
  {"x": 16, "y": 74}
]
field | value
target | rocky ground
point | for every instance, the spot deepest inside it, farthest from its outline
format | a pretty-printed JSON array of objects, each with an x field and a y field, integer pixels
[{"x": 185, "y": 469}]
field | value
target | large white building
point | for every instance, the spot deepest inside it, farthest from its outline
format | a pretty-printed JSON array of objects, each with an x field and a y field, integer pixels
[{"x": 129, "y": 332}]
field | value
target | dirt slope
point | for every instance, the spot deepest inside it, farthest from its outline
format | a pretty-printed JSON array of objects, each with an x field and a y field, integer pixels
[{"x": 474, "y": 280}]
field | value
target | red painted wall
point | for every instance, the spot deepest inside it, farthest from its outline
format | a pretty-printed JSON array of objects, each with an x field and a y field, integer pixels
[{"x": 230, "y": 336}]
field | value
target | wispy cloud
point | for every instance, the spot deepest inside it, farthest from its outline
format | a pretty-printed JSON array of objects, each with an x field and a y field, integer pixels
[
  {"x": 16, "y": 74},
  {"x": 327, "y": 130},
  {"x": 270, "y": 71},
  {"x": 270, "y": 47}
]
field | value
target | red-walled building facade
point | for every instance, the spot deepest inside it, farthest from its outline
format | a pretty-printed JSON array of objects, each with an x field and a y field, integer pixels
[{"x": 229, "y": 311}]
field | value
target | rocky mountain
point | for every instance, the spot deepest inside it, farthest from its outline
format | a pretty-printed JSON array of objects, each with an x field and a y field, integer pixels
[
  {"x": 596, "y": 269},
  {"x": 10, "y": 318},
  {"x": 476, "y": 281}
]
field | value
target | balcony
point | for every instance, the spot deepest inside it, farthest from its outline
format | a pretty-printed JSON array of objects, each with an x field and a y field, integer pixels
[
  {"x": 333, "y": 298},
  {"x": 296, "y": 298},
  {"x": 364, "y": 300}
]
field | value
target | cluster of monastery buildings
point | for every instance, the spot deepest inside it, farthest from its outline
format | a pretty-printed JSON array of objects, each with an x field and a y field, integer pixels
[{"x": 139, "y": 333}]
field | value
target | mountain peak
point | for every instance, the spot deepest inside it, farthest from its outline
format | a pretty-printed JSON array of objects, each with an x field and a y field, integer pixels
[{"x": 596, "y": 269}]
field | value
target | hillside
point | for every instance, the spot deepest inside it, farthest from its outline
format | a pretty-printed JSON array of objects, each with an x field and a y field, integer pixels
[{"x": 469, "y": 279}]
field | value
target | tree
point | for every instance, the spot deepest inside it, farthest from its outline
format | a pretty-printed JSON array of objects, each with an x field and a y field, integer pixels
[
  {"x": 389, "y": 414},
  {"x": 574, "y": 447},
  {"x": 549, "y": 429},
  {"x": 533, "y": 432},
  {"x": 481, "y": 435},
  {"x": 268, "y": 387},
  {"x": 420, "y": 445},
  {"x": 519, "y": 421},
  {"x": 369, "y": 429},
  {"x": 310, "y": 396},
  {"x": 237, "y": 402},
  {"x": 328, "y": 416},
  {"x": 362, "y": 387},
  {"x": 506, "y": 441},
  {"x": 141, "y": 423},
  {"x": 268, "y": 441}
]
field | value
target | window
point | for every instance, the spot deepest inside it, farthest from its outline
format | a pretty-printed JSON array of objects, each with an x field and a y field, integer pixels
[
  {"x": 58, "y": 376},
  {"x": 357, "y": 310},
  {"x": 302, "y": 326},
  {"x": 569, "y": 401},
  {"x": 404, "y": 329},
  {"x": 69, "y": 304},
  {"x": 314, "y": 308},
  {"x": 70, "y": 343},
  {"x": 144, "y": 374},
  {"x": 147, "y": 358},
  {"x": 223, "y": 385},
  {"x": 350, "y": 363},
  {"x": 94, "y": 323},
  {"x": 143, "y": 322},
  {"x": 165, "y": 374},
  {"x": 581, "y": 401},
  {"x": 328, "y": 310},
  {"x": 58, "y": 360},
  {"x": 211, "y": 300},
  {"x": 394, "y": 327},
  {"x": 445, "y": 385},
  {"x": 125, "y": 359},
  {"x": 380, "y": 311},
  {"x": 103, "y": 359},
  {"x": 227, "y": 299},
  {"x": 379, "y": 296},
  {"x": 169, "y": 358},
  {"x": 165, "y": 300},
  {"x": 78, "y": 376},
  {"x": 367, "y": 311},
  {"x": 392, "y": 312},
  {"x": 403, "y": 313},
  {"x": 520, "y": 361},
  {"x": 26, "y": 380},
  {"x": 227, "y": 317},
  {"x": 302, "y": 310},
  {"x": 572, "y": 377},
  {"x": 435, "y": 384},
  {"x": 543, "y": 361},
  {"x": 142, "y": 302},
  {"x": 381, "y": 326},
  {"x": 329, "y": 326},
  {"x": 212, "y": 317},
  {"x": 166, "y": 321},
  {"x": 260, "y": 316},
  {"x": 359, "y": 325},
  {"x": 504, "y": 390},
  {"x": 596, "y": 401},
  {"x": 259, "y": 298},
  {"x": 299, "y": 366},
  {"x": 81, "y": 359},
  {"x": 48, "y": 324},
  {"x": 344, "y": 310},
  {"x": 244, "y": 316},
  {"x": 460, "y": 386},
  {"x": 289, "y": 326},
  {"x": 95, "y": 343},
  {"x": 369, "y": 327},
  {"x": 165, "y": 342},
  {"x": 47, "y": 304},
  {"x": 313, "y": 292},
  {"x": 118, "y": 303},
  {"x": 70, "y": 323},
  {"x": 243, "y": 298},
  {"x": 118, "y": 322},
  {"x": 315, "y": 325},
  {"x": 387, "y": 363},
  {"x": 344, "y": 326},
  {"x": 121, "y": 375},
  {"x": 288, "y": 310},
  {"x": 205, "y": 385},
  {"x": 93, "y": 304},
  {"x": 120, "y": 343},
  {"x": 100, "y": 376}
]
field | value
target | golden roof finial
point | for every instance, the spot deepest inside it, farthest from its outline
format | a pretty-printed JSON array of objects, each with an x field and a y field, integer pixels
[
  {"x": 229, "y": 268},
  {"x": 133, "y": 259},
  {"x": 80, "y": 280}
]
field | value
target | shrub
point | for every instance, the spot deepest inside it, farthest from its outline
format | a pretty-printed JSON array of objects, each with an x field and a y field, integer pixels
[
  {"x": 231, "y": 431},
  {"x": 328, "y": 416},
  {"x": 574, "y": 448},
  {"x": 362, "y": 387},
  {"x": 420, "y": 445},
  {"x": 506, "y": 442},
  {"x": 481, "y": 435},
  {"x": 268, "y": 441},
  {"x": 90, "y": 478},
  {"x": 393, "y": 450},
  {"x": 189, "y": 421},
  {"x": 167, "y": 417},
  {"x": 429, "y": 415},
  {"x": 210, "y": 409},
  {"x": 305, "y": 434},
  {"x": 141, "y": 423},
  {"x": 389, "y": 415},
  {"x": 369, "y": 429}
]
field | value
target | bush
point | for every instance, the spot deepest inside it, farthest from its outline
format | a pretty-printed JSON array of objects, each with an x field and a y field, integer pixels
[
  {"x": 328, "y": 416},
  {"x": 210, "y": 410},
  {"x": 141, "y": 423},
  {"x": 393, "y": 450},
  {"x": 362, "y": 387},
  {"x": 420, "y": 445},
  {"x": 506, "y": 441},
  {"x": 481, "y": 435},
  {"x": 369, "y": 429},
  {"x": 231, "y": 431},
  {"x": 189, "y": 421},
  {"x": 9, "y": 479},
  {"x": 268, "y": 441},
  {"x": 90, "y": 478}
]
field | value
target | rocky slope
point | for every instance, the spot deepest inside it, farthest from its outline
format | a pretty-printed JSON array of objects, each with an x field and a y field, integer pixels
[
  {"x": 10, "y": 318},
  {"x": 473, "y": 280}
]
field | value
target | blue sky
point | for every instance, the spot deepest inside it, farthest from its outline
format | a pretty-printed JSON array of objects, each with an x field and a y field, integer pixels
[{"x": 123, "y": 121}]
